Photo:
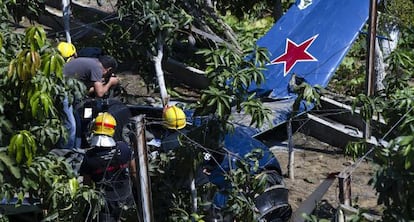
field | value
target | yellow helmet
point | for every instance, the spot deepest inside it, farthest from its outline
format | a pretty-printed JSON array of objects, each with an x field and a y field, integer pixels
[
  {"x": 66, "y": 49},
  {"x": 174, "y": 117},
  {"x": 105, "y": 124}
]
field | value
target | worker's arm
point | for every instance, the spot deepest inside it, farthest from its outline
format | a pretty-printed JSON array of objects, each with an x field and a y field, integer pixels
[
  {"x": 100, "y": 88},
  {"x": 133, "y": 170}
]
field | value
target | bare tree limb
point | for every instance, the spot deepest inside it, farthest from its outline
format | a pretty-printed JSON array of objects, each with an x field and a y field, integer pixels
[
  {"x": 66, "y": 18},
  {"x": 228, "y": 31},
  {"x": 159, "y": 71}
]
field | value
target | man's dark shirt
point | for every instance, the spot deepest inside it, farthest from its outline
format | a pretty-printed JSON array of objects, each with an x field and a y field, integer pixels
[
  {"x": 108, "y": 168},
  {"x": 109, "y": 162}
]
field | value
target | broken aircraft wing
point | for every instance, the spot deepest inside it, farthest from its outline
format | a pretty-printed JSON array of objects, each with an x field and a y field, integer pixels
[{"x": 310, "y": 40}]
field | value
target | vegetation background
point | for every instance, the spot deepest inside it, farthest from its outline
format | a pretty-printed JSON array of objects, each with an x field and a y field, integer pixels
[{"x": 31, "y": 86}]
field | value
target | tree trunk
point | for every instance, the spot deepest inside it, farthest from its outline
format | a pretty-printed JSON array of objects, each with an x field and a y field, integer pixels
[
  {"x": 193, "y": 192},
  {"x": 388, "y": 45},
  {"x": 228, "y": 31},
  {"x": 66, "y": 18},
  {"x": 383, "y": 48},
  {"x": 278, "y": 10},
  {"x": 379, "y": 68},
  {"x": 160, "y": 73}
]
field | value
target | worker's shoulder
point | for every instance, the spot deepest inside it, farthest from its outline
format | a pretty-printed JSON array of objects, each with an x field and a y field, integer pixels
[
  {"x": 84, "y": 60},
  {"x": 122, "y": 145}
]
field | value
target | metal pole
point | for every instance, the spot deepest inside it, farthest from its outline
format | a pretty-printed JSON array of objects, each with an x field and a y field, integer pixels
[
  {"x": 345, "y": 188},
  {"x": 291, "y": 162},
  {"x": 370, "y": 69},
  {"x": 144, "y": 179}
]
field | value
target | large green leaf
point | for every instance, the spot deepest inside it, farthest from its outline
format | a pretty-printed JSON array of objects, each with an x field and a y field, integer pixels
[{"x": 10, "y": 164}]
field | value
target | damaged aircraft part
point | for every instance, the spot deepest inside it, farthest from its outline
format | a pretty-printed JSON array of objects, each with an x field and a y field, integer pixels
[
  {"x": 273, "y": 203},
  {"x": 310, "y": 40}
]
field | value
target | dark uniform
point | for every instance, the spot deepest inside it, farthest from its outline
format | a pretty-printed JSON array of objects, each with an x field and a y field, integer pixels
[{"x": 108, "y": 168}]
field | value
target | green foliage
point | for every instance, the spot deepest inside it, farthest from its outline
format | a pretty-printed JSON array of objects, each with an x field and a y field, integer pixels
[
  {"x": 154, "y": 24},
  {"x": 249, "y": 28},
  {"x": 306, "y": 95},
  {"x": 394, "y": 178},
  {"x": 171, "y": 174},
  {"x": 245, "y": 186},
  {"x": 313, "y": 218},
  {"x": 401, "y": 62},
  {"x": 171, "y": 182},
  {"x": 403, "y": 8},
  {"x": 31, "y": 91},
  {"x": 367, "y": 106},
  {"x": 252, "y": 9},
  {"x": 31, "y": 94},
  {"x": 8, "y": 164},
  {"x": 69, "y": 200},
  {"x": 23, "y": 8},
  {"x": 349, "y": 78},
  {"x": 231, "y": 73},
  {"x": 156, "y": 21},
  {"x": 231, "y": 69},
  {"x": 22, "y": 145}
]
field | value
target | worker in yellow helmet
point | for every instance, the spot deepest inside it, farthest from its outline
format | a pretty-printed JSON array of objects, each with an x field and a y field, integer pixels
[
  {"x": 174, "y": 117},
  {"x": 110, "y": 165},
  {"x": 67, "y": 50}
]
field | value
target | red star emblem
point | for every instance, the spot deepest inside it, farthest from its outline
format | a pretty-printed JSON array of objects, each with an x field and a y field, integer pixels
[{"x": 295, "y": 53}]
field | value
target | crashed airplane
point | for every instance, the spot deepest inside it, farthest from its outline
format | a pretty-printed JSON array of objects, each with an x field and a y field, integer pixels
[{"x": 308, "y": 42}]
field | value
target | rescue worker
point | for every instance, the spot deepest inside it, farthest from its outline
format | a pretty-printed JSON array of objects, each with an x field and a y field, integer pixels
[
  {"x": 68, "y": 51},
  {"x": 174, "y": 117},
  {"x": 109, "y": 164},
  {"x": 91, "y": 72}
]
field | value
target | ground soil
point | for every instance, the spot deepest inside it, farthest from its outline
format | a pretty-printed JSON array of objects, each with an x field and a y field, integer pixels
[{"x": 313, "y": 162}]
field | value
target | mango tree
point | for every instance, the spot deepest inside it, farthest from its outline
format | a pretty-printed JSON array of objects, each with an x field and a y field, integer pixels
[{"x": 32, "y": 88}]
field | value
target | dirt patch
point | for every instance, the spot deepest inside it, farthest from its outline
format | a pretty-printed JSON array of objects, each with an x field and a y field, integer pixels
[{"x": 314, "y": 161}]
